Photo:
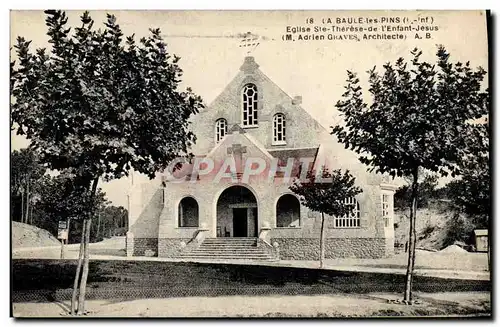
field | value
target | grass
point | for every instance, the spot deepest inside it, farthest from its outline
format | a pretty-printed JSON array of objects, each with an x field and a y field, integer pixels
[{"x": 49, "y": 280}]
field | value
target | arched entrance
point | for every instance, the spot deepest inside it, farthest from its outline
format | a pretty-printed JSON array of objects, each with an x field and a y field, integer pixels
[{"x": 237, "y": 213}]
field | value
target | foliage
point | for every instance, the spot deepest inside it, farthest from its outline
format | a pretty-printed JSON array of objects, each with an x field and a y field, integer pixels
[
  {"x": 96, "y": 108},
  {"x": 111, "y": 221},
  {"x": 420, "y": 117},
  {"x": 427, "y": 192},
  {"x": 26, "y": 173},
  {"x": 58, "y": 197},
  {"x": 23, "y": 166},
  {"x": 471, "y": 194},
  {"x": 460, "y": 229},
  {"x": 100, "y": 107},
  {"x": 399, "y": 130},
  {"x": 64, "y": 199},
  {"x": 327, "y": 197}
]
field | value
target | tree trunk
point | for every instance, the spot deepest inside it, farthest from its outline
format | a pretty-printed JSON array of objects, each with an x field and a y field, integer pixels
[
  {"x": 62, "y": 248},
  {"x": 78, "y": 270},
  {"x": 412, "y": 239},
  {"x": 489, "y": 252},
  {"x": 27, "y": 202},
  {"x": 322, "y": 242},
  {"x": 98, "y": 223},
  {"x": 83, "y": 282},
  {"x": 31, "y": 215},
  {"x": 22, "y": 206}
]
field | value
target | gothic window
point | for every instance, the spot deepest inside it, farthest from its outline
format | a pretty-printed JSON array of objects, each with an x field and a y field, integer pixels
[
  {"x": 250, "y": 101},
  {"x": 288, "y": 211},
  {"x": 351, "y": 220},
  {"x": 279, "y": 129},
  {"x": 188, "y": 212},
  {"x": 220, "y": 129}
]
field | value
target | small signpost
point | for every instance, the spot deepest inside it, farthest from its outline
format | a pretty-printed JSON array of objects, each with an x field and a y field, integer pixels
[{"x": 62, "y": 234}]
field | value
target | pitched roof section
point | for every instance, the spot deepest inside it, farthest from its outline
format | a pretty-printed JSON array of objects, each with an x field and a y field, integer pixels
[
  {"x": 285, "y": 154},
  {"x": 238, "y": 135},
  {"x": 236, "y": 128}
]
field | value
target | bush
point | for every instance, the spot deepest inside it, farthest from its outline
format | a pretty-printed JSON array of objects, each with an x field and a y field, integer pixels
[{"x": 461, "y": 229}]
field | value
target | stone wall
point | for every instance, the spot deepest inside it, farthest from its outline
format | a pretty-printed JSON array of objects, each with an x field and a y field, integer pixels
[
  {"x": 289, "y": 248},
  {"x": 146, "y": 247},
  {"x": 170, "y": 247},
  {"x": 308, "y": 248}
]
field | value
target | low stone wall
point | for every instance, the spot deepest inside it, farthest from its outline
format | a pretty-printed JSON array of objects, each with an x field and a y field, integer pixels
[
  {"x": 145, "y": 247},
  {"x": 170, "y": 247},
  {"x": 289, "y": 248},
  {"x": 308, "y": 248}
]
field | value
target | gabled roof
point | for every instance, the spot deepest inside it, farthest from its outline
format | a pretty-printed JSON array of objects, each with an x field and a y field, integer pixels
[
  {"x": 237, "y": 130},
  {"x": 284, "y": 154}
]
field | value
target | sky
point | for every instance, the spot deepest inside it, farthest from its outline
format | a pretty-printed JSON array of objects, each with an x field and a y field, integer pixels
[{"x": 208, "y": 44}]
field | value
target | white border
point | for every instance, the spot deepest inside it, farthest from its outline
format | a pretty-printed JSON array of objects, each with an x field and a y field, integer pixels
[{"x": 187, "y": 4}]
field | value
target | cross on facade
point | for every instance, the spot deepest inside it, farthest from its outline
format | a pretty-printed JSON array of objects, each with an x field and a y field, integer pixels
[{"x": 237, "y": 151}]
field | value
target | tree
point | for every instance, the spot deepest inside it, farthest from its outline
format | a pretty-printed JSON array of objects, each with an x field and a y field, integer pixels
[
  {"x": 470, "y": 193},
  {"x": 26, "y": 173},
  {"x": 327, "y": 196},
  {"x": 63, "y": 198},
  {"x": 98, "y": 107},
  {"x": 420, "y": 116},
  {"x": 112, "y": 221},
  {"x": 427, "y": 191}
]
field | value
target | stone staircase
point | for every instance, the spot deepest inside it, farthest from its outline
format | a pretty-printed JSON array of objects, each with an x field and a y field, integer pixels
[{"x": 229, "y": 248}]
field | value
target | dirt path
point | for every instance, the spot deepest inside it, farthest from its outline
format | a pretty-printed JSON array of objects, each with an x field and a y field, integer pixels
[
  {"x": 446, "y": 265},
  {"x": 477, "y": 303}
]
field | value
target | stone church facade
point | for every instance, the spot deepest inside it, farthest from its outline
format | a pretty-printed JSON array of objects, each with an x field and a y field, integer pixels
[{"x": 253, "y": 140}]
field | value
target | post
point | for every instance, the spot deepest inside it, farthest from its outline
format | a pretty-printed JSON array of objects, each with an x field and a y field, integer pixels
[
  {"x": 64, "y": 236},
  {"x": 62, "y": 248},
  {"x": 27, "y": 213}
]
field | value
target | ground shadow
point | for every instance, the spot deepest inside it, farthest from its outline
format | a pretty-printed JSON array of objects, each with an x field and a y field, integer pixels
[{"x": 37, "y": 280}]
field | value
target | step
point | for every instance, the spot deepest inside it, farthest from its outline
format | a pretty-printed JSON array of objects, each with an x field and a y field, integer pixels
[
  {"x": 230, "y": 243},
  {"x": 229, "y": 239},
  {"x": 227, "y": 257},
  {"x": 225, "y": 253},
  {"x": 226, "y": 250},
  {"x": 229, "y": 252},
  {"x": 213, "y": 246}
]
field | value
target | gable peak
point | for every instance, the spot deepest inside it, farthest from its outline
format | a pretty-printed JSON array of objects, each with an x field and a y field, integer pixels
[
  {"x": 236, "y": 129},
  {"x": 249, "y": 65}
]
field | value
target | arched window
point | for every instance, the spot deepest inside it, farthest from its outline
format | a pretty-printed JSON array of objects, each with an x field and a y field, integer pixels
[
  {"x": 188, "y": 212},
  {"x": 351, "y": 220},
  {"x": 288, "y": 211},
  {"x": 279, "y": 129},
  {"x": 220, "y": 129},
  {"x": 250, "y": 101}
]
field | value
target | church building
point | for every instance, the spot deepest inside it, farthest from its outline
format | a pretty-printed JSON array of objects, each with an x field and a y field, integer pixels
[{"x": 232, "y": 200}]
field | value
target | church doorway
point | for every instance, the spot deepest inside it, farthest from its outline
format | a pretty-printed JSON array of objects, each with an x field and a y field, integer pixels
[{"x": 237, "y": 213}]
